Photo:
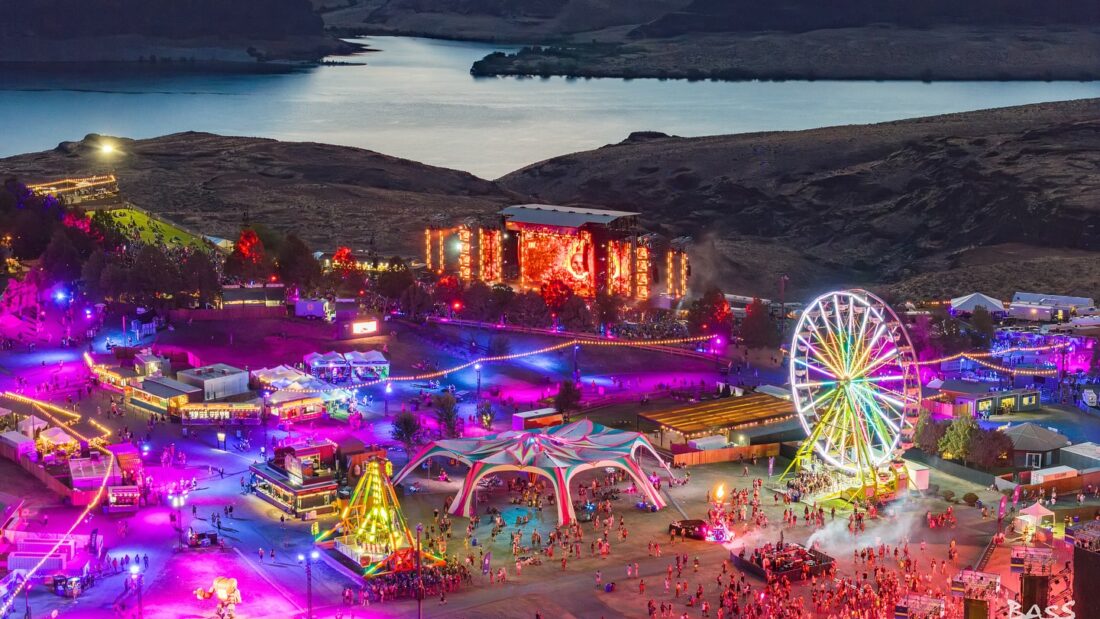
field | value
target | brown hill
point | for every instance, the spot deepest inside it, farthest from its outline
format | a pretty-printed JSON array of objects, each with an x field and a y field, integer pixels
[
  {"x": 859, "y": 204},
  {"x": 329, "y": 195}
]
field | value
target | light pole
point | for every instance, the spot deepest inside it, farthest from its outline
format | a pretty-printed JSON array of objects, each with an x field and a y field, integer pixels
[
  {"x": 178, "y": 502},
  {"x": 135, "y": 574},
  {"x": 308, "y": 563},
  {"x": 419, "y": 578},
  {"x": 386, "y": 397},
  {"x": 477, "y": 368}
]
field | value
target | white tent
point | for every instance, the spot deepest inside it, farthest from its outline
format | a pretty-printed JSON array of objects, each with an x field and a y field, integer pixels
[
  {"x": 329, "y": 359},
  {"x": 974, "y": 300},
  {"x": 1035, "y": 514},
  {"x": 30, "y": 425},
  {"x": 56, "y": 436},
  {"x": 372, "y": 360}
]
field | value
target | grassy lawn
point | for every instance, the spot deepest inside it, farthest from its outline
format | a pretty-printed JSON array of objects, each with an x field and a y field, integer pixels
[{"x": 151, "y": 230}]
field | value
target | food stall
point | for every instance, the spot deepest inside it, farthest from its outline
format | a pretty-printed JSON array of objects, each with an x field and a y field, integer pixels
[
  {"x": 222, "y": 413},
  {"x": 123, "y": 499}
]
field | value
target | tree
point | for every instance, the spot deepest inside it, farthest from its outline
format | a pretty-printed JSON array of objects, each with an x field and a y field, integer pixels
[
  {"x": 407, "y": 431},
  {"x": 983, "y": 331},
  {"x": 567, "y": 399},
  {"x": 710, "y": 314},
  {"x": 608, "y": 308},
  {"x": 153, "y": 275},
  {"x": 296, "y": 265},
  {"x": 446, "y": 412},
  {"x": 249, "y": 260},
  {"x": 415, "y": 302},
  {"x": 61, "y": 260},
  {"x": 394, "y": 282},
  {"x": 503, "y": 296},
  {"x": 485, "y": 414},
  {"x": 199, "y": 276},
  {"x": 990, "y": 449},
  {"x": 529, "y": 310},
  {"x": 758, "y": 329},
  {"x": 448, "y": 290},
  {"x": 92, "y": 273},
  {"x": 108, "y": 229},
  {"x": 947, "y": 333},
  {"x": 343, "y": 261},
  {"x": 574, "y": 315},
  {"x": 928, "y": 433},
  {"x": 956, "y": 441},
  {"x": 477, "y": 303},
  {"x": 555, "y": 293}
]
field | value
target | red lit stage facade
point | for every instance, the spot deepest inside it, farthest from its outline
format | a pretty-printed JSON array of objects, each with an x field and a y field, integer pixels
[{"x": 591, "y": 251}]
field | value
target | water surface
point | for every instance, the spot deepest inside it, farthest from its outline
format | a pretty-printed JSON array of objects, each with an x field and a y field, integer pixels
[{"x": 416, "y": 99}]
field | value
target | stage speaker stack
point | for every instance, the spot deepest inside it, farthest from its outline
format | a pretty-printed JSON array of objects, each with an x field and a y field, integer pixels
[
  {"x": 1086, "y": 576},
  {"x": 975, "y": 609},
  {"x": 1034, "y": 590}
]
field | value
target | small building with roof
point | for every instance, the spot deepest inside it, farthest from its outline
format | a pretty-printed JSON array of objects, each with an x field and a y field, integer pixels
[
  {"x": 723, "y": 417},
  {"x": 1034, "y": 446},
  {"x": 957, "y": 397},
  {"x": 1042, "y": 307},
  {"x": 299, "y": 479},
  {"x": 216, "y": 381},
  {"x": 163, "y": 396}
]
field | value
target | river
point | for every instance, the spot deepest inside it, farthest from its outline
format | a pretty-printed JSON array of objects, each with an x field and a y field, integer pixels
[{"x": 416, "y": 99}]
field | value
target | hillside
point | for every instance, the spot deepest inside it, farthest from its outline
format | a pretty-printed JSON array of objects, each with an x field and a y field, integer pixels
[
  {"x": 806, "y": 15},
  {"x": 520, "y": 21},
  {"x": 329, "y": 195},
  {"x": 991, "y": 200},
  {"x": 164, "y": 31},
  {"x": 877, "y": 204}
]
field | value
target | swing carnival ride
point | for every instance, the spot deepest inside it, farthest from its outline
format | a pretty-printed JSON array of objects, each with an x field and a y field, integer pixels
[
  {"x": 855, "y": 385},
  {"x": 372, "y": 532}
]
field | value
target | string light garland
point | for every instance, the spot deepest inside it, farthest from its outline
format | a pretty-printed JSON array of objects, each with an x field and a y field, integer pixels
[
  {"x": 539, "y": 351},
  {"x": 974, "y": 356},
  {"x": 42, "y": 407}
]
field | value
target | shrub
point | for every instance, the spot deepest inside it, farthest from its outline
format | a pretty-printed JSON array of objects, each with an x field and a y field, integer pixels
[
  {"x": 970, "y": 498},
  {"x": 949, "y": 496}
]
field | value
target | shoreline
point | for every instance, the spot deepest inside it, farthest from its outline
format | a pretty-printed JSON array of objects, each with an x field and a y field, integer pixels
[
  {"x": 158, "y": 55},
  {"x": 946, "y": 54}
]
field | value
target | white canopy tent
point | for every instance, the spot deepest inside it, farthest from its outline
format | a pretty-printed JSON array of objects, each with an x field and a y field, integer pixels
[
  {"x": 1035, "y": 514},
  {"x": 968, "y": 303},
  {"x": 31, "y": 425},
  {"x": 372, "y": 360}
]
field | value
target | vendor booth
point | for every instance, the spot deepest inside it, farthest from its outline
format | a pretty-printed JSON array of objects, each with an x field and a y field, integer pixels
[
  {"x": 164, "y": 396},
  {"x": 8, "y": 419},
  {"x": 15, "y": 446},
  {"x": 55, "y": 440},
  {"x": 123, "y": 499},
  {"x": 222, "y": 413},
  {"x": 368, "y": 365},
  {"x": 31, "y": 426},
  {"x": 300, "y": 479},
  {"x": 329, "y": 366},
  {"x": 295, "y": 406}
]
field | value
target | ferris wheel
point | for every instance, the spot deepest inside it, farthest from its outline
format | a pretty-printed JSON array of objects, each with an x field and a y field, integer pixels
[{"x": 854, "y": 381}]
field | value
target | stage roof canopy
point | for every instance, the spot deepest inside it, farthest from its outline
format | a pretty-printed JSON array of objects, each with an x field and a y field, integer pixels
[
  {"x": 557, "y": 453},
  {"x": 564, "y": 216},
  {"x": 722, "y": 414}
]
